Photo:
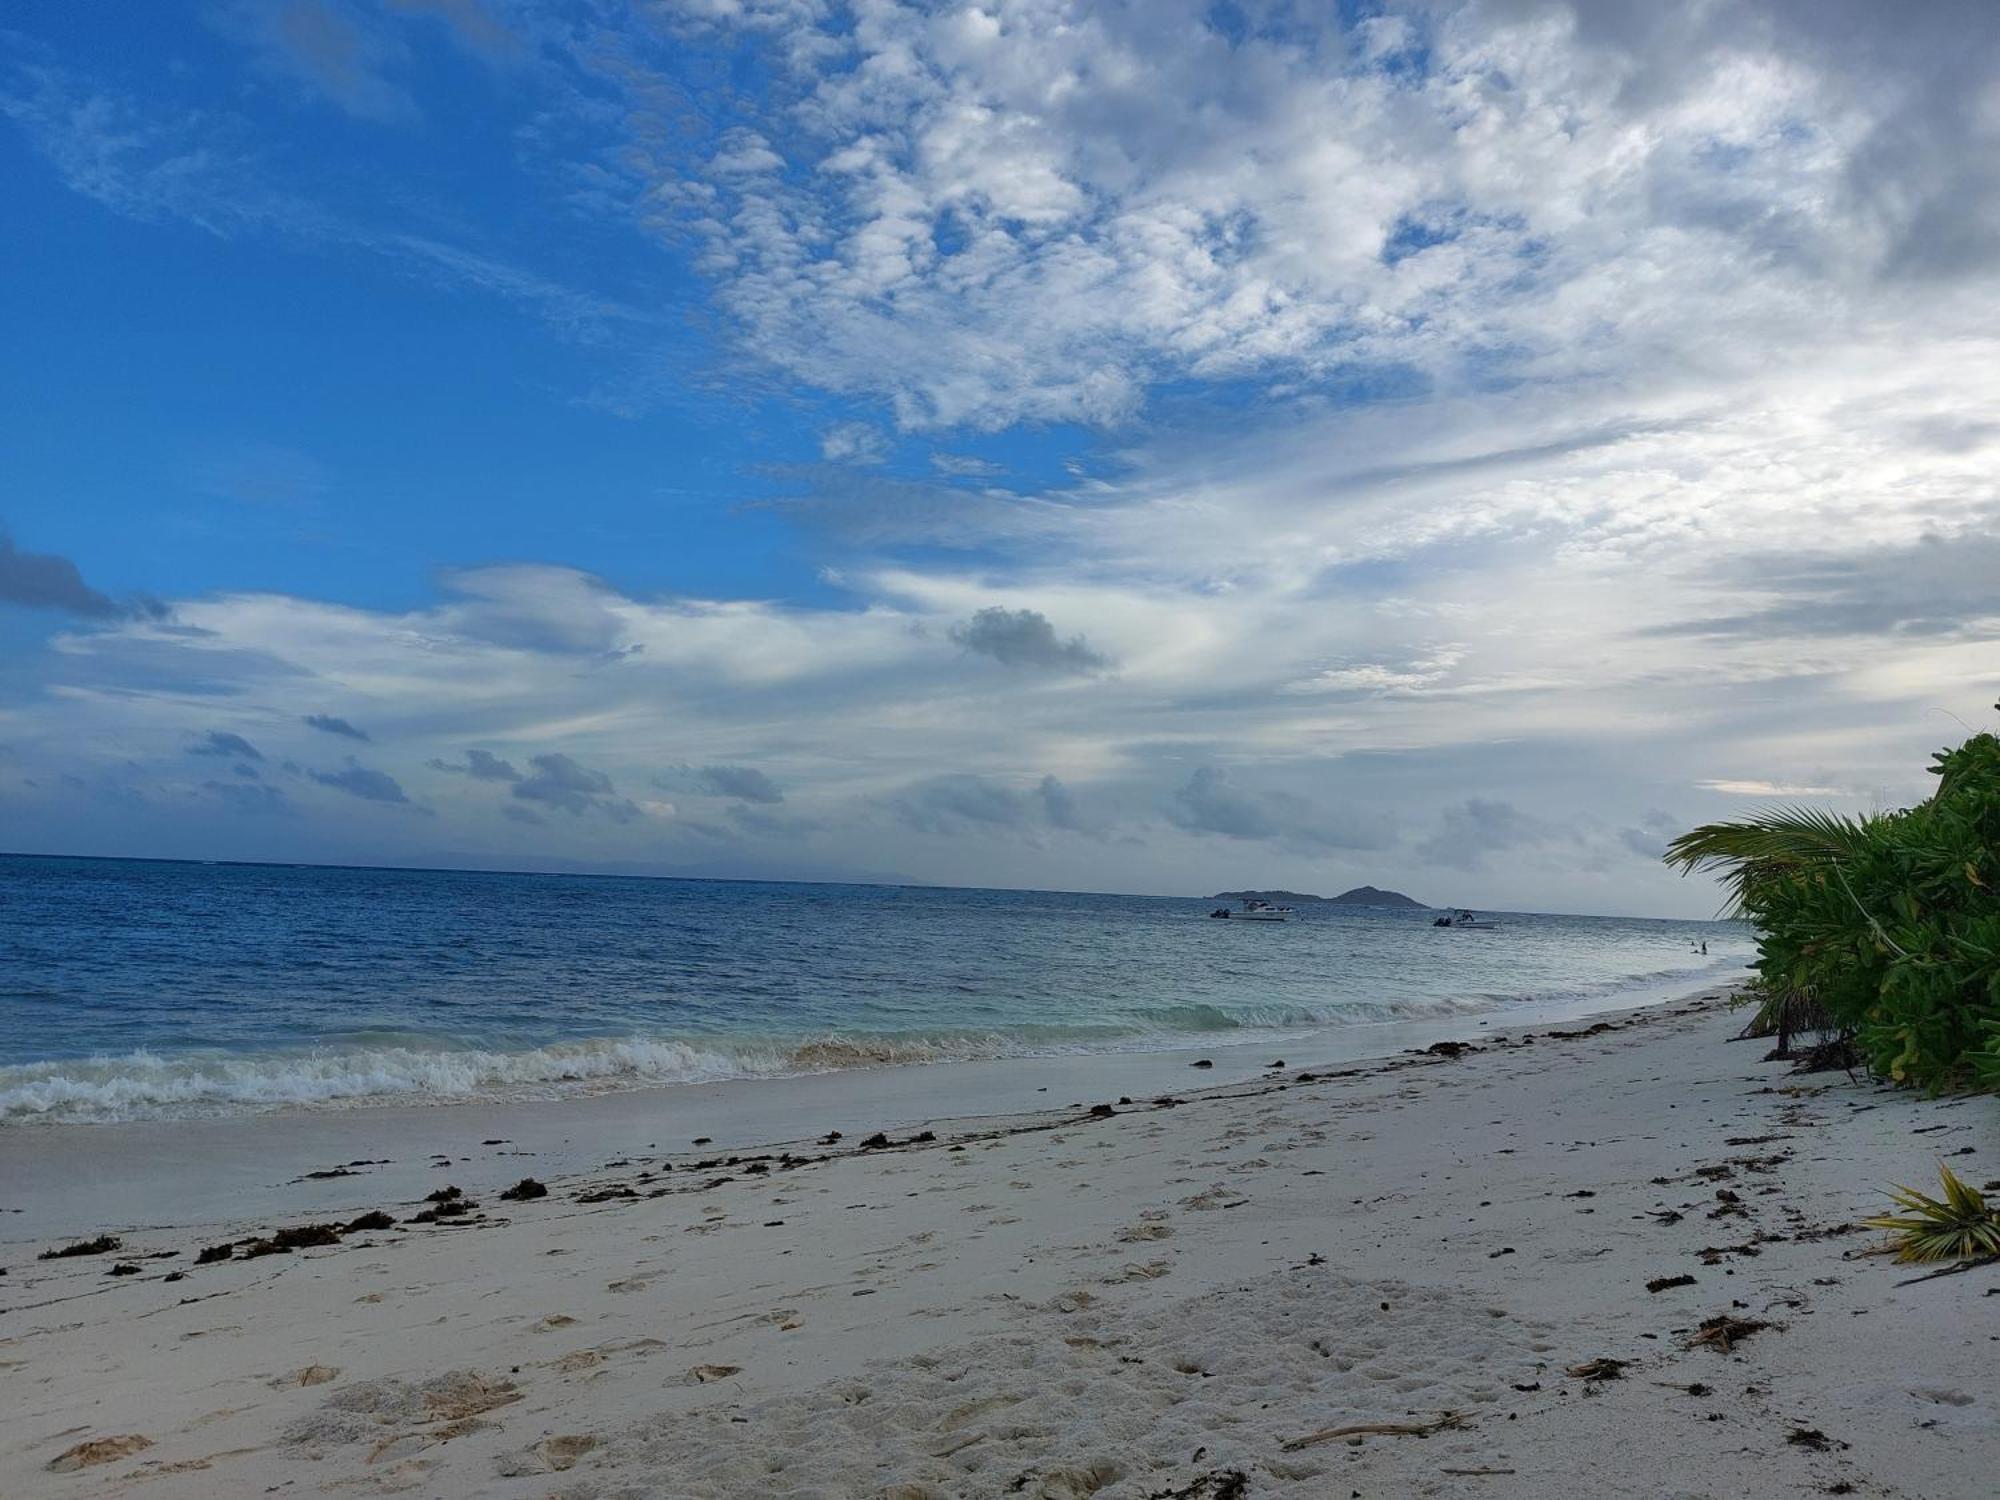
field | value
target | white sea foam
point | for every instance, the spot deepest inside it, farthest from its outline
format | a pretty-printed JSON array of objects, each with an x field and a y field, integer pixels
[
  {"x": 151, "y": 1085},
  {"x": 144, "y": 1085}
]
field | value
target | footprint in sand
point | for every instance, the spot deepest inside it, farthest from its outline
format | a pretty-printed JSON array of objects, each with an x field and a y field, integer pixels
[
  {"x": 552, "y": 1455},
  {"x": 1216, "y": 1196},
  {"x": 309, "y": 1375},
  {"x": 394, "y": 1414},
  {"x": 88, "y": 1455}
]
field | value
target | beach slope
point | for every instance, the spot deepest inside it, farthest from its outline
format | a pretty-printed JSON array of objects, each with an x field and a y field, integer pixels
[{"x": 1492, "y": 1272}]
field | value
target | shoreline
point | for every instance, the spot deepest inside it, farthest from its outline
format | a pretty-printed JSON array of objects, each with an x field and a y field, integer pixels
[
  {"x": 1056, "y": 1304},
  {"x": 166, "y": 1086},
  {"x": 56, "y": 1176}
]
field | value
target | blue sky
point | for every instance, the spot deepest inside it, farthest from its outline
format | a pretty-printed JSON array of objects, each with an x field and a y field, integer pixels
[
  {"x": 1141, "y": 447},
  {"x": 294, "y": 413}
]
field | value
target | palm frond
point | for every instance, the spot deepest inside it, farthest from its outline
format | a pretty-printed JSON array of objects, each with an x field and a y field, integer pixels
[
  {"x": 1773, "y": 844},
  {"x": 1790, "y": 837},
  {"x": 1959, "y": 1225}
]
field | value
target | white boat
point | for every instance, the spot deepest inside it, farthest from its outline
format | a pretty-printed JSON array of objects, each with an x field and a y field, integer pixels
[
  {"x": 1468, "y": 921},
  {"x": 1255, "y": 911}
]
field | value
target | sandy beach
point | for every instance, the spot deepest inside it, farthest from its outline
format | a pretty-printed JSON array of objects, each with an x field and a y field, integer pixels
[{"x": 1426, "y": 1274}]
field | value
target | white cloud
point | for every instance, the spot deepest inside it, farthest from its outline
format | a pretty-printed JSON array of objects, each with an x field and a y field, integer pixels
[
  {"x": 1033, "y": 211},
  {"x": 1754, "y": 788},
  {"x": 854, "y": 443}
]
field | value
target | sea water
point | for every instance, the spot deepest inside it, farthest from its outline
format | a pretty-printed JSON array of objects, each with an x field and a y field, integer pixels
[{"x": 138, "y": 989}]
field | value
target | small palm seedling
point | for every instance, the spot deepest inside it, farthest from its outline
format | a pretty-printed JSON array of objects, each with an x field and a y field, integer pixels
[{"x": 1957, "y": 1226}]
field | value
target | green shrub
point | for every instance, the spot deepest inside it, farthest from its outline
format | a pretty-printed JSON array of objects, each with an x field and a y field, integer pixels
[{"x": 1889, "y": 924}]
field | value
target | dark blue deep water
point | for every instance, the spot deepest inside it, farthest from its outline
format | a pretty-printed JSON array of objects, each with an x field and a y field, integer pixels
[{"x": 136, "y": 989}]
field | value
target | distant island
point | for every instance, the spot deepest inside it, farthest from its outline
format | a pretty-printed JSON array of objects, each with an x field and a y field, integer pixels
[{"x": 1361, "y": 895}]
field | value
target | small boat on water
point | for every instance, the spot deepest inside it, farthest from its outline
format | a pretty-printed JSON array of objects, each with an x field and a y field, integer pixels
[
  {"x": 1255, "y": 911},
  {"x": 1467, "y": 920}
]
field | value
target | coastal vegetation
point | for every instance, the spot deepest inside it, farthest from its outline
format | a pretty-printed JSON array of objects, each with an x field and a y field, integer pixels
[{"x": 1884, "y": 928}]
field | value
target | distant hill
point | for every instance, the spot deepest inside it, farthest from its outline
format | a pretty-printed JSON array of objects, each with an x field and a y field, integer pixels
[
  {"x": 1368, "y": 895},
  {"x": 1361, "y": 895}
]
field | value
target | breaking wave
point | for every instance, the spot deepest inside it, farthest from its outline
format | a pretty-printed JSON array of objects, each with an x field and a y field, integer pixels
[
  {"x": 166, "y": 1085},
  {"x": 386, "y": 1069}
]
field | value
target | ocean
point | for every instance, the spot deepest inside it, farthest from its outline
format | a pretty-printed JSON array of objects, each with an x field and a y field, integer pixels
[{"x": 139, "y": 989}]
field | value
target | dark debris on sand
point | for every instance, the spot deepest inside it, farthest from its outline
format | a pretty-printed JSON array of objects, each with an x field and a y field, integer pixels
[
  {"x": 1724, "y": 1331},
  {"x": 104, "y": 1244},
  {"x": 1221, "y": 1484},
  {"x": 1600, "y": 1369},
  {"x": 524, "y": 1190},
  {"x": 296, "y": 1237},
  {"x": 445, "y": 1203}
]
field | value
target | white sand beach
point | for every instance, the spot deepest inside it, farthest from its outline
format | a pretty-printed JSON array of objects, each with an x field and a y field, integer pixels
[{"x": 1374, "y": 1279}]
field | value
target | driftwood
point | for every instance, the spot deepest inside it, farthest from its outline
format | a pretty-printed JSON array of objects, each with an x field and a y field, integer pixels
[
  {"x": 1442, "y": 1422},
  {"x": 1957, "y": 1270}
]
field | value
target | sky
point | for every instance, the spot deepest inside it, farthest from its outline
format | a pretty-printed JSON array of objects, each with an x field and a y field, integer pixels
[{"x": 1157, "y": 447}]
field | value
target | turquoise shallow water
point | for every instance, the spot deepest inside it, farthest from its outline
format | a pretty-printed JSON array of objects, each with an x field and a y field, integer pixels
[{"x": 137, "y": 989}]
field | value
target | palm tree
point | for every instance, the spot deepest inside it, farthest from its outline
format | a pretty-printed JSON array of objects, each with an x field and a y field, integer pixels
[
  {"x": 1775, "y": 844},
  {"x": 1780, "y": 844}
]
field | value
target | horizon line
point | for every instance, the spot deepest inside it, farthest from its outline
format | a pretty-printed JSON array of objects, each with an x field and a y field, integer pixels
[{"x": 892, "y": 885}]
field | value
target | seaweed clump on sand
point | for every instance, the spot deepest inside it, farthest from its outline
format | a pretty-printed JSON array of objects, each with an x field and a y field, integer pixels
[
  {"x": 104, "y": 1244},
  {"x": 524, "y": 1190},
  {"x": 296, "y": 1237},
  {"x": 445, "y": 1203}
]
